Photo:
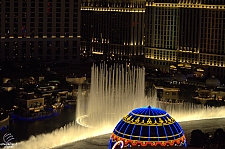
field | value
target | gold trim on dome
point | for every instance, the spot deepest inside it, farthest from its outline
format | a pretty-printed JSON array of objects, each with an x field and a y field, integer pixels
[
  {"x": 147, "y": 137},
  {"x": 148, "y": 115},
  {"x": 130, "y": 143},
  {"x": 157, "y": 122}
]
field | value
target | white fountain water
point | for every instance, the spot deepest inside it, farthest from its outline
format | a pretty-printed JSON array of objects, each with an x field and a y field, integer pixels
[{"x": 114, "y": 92}]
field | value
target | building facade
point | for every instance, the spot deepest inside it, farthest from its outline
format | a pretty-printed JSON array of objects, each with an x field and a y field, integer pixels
[
  {"x": 112, "y": 30},
  {"x": 39, "y": 30},
  {"x": 165, "y": 32},
  {"x": 188, "y": 32},
  {"x": 161, "y": 33}
]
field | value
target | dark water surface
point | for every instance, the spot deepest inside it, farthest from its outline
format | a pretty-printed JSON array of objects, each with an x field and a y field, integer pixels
[{"x": 22, "y": 130}]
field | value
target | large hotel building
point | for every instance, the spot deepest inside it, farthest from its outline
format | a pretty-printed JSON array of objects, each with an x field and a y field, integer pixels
[
  {"x": 112, "y": 30},
  {"x": 165, "y": 34},
  {"x": 39, "y": 30},
  {"x": 186, "y": 33},
  {"x": 170, "y": 34}
]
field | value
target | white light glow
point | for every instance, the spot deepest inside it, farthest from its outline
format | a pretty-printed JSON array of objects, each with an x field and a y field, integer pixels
[
  {"x": 139, "y": 10},
  {"x": 97, "y": 52},
  {"x": 118, "y": 143},
  {"x": 186, "y": 5}
]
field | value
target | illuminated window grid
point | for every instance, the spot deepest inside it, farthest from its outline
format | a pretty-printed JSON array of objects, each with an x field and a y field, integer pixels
[
  {"x": 209, "y": 43},
  {"x": 161, "y": 54},
  {"x": 211, "y": 46},
  {"x": 165, "y": 28},
  {"x": 18, "y": 13},
  {"x": 116, "y": 9},
  {"x": 131, "y": 37},
  {"x": 31, "y": 16},
  {"x": 188, "y": 57},
  {"x": 186, "y": 5},
  {"x": 214, "y": 60}
]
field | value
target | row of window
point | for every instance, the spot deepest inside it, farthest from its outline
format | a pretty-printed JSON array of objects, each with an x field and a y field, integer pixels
[
  {"x": 42, "y": 20},
  {"x": 25, "y": 58},
  {"x": 33, "y": 4},
  {"x": 40, "y": 15},
  {"x": 15, "y": 25},
  {"x": 39, "y": 43},
  {"x": 187, "y": 57},
  {"x": 24, "y": 15}
]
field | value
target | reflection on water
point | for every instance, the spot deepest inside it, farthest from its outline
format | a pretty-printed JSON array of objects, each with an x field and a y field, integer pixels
[{"x": 22, "y": 130}]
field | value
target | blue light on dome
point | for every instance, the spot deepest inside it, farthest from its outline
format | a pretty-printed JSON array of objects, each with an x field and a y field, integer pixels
[{"x": 148, "y": 126}]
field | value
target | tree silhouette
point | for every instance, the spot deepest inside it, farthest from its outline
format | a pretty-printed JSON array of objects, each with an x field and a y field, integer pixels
[
  {"x": 219, "y": 137},
  {"x": 186, "y": 91},
  {"x": 7, "y": 99},
  {"x": 198, "y": 138}
]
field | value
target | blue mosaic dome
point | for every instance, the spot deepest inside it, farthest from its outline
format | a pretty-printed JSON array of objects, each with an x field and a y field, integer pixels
[{"x": 148, "y": 126}]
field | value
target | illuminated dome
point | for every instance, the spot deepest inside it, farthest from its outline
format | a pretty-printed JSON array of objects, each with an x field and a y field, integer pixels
[
  {"x": 212, "y": 82},
  {"x": 148, "y": 126}
]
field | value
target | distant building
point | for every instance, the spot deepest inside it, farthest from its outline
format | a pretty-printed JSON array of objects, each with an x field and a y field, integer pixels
[
  {"x": 30, "y": 101},
  {"x": 75, "y": 80},
  {"x": 112, "y": 30},
  {"x": 170, "y": 90},
  {"x": 171, "y": 94},
  {"x": 8, "y": 86},
  {"x": 212, "y": 91},
  {"x": 165, "y": 32},
  {"x": 44, "y": 30},
  {"x": 204, "y": 95},
  {"x": 188, "y": 32},
  {"x": 53, "y": 84}
]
